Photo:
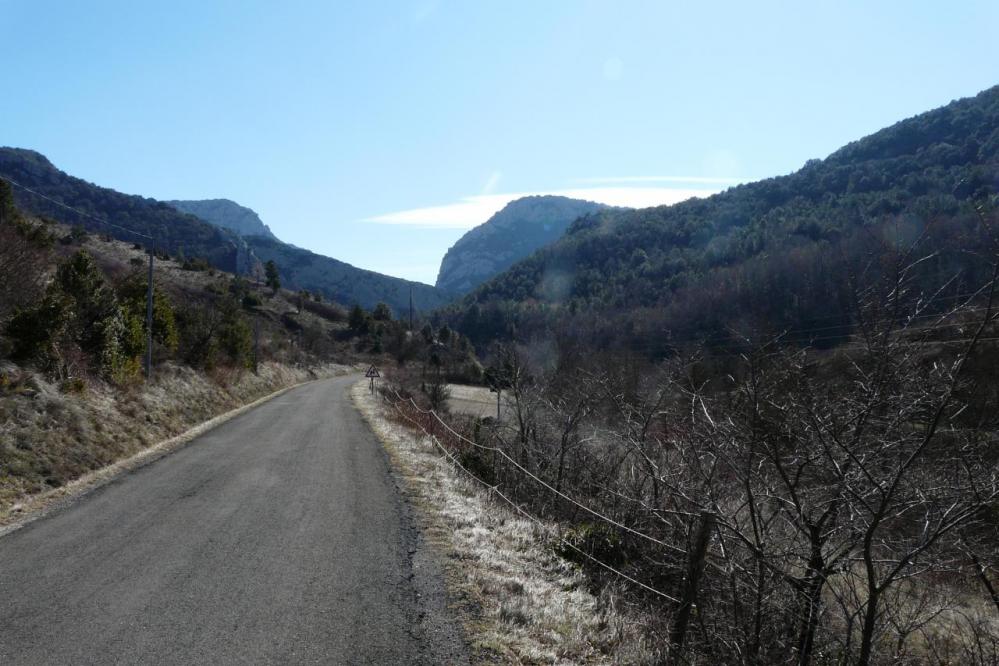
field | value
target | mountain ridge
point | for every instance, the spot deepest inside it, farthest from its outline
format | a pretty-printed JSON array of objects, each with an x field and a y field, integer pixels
[
  {"x": 767, "y": 251},
  {"x": 518, "y": 229},
  {"x": 43, "y": 189},
  {"x": 337, "y": 280},
  {"x": 159, "y": 225},
  {"x": 226, "y": 214}
]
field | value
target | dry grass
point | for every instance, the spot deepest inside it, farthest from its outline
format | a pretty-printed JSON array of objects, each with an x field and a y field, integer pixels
[
  {"x": 476, "y": 401},
  {"x": 51, "y": 437},
  {"x": 119, "y": 258},
  {"x": 525, "y": 604}
]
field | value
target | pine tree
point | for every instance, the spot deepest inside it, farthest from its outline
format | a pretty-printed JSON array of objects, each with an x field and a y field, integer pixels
[{"x": 272, "y": 275}]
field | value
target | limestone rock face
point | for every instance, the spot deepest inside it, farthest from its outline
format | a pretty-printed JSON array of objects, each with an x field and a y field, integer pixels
[
  {"x": 523, "y": 226},
  {"x": 226, "y": 214}
]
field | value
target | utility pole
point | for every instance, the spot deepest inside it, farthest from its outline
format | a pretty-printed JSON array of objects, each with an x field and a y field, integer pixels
[
  {"x": 411, "y": 308},
  {"x": 256, "y": 345},
  {"x": 149, "y": 319}
]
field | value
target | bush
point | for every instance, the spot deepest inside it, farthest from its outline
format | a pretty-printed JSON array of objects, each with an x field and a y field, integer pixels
[
  {"x": 81, "y": 322},
  {"x": 438, "y": 393},
  {"x": 328, "y": 311},
  {"x": 476, "y": 462},
  {"x": 214, "y": 334},
  {"x": 236, "y": 339},
  {"x": 598, "y": 540},
  {"x": 73, "y": 385},
  {"x": 134, "y": 293},
  {"x": 196, "y": 264},
  {"x": 76, "y": 236},
  {"x": 35, "y": 332}
]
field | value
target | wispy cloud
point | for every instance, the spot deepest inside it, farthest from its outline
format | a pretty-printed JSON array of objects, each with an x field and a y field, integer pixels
[
  {"x": 492, "y": 183},
  {"x": 472, "y": 211}
]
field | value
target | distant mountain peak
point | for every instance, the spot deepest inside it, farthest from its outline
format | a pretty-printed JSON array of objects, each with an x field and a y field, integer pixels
[
  {"x": 226, "y": 214},
  {"x": 521, "y": 227}
]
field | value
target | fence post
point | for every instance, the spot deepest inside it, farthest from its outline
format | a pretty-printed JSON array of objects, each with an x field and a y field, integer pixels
[{"x": 695, "y": 567}]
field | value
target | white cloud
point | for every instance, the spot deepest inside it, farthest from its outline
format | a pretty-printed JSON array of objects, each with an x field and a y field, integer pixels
[{"x": 474, "y": 210}]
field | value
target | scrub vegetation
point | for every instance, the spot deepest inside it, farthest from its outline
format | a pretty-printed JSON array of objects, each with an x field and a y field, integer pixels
[
  {"x": 522, "y": 603},
  {"x": 73, "y": 397},
  {"x": 767, "y": 417}
]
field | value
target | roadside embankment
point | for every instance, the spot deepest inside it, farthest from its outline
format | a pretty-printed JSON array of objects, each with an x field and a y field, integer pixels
[
  {"x": 522, "y": 603},
  {"x": 57, "y": 442}
]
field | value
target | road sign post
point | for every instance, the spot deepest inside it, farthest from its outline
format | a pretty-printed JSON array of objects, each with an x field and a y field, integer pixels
[{"x": 372, "y": 374}]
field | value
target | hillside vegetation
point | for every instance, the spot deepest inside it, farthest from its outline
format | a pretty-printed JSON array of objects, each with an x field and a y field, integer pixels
[
  {"x": 341, "y": 282},
  {"x": 775, "y": 255},
  {"x": 768, "y": 415},
  {"x": 73, "y": 397},
  {"x": 224, "y": 241},
  {"x": 136, "y": 219},
  {"x": 72, "y": 338}
]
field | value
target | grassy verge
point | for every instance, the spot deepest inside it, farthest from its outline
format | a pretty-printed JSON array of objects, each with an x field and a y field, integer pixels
[
  {"x": 523, "y": 604},
  {"x": 56, "y": 442}
]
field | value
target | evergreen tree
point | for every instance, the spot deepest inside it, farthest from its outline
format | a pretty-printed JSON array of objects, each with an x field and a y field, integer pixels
[
  {"x": 98, "y": 325},
  {"x": 132, "y": 295},
  {"x": 273, "y": 279},
  {"x": 357, "y": 321},
  {"x": 8, "y": 211}
]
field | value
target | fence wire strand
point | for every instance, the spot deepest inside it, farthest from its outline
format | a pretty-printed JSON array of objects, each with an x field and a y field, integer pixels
[{"x": 519, "y": 509}]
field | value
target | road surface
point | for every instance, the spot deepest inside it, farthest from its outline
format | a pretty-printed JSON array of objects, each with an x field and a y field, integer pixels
[{"x": 278, "y": 537}]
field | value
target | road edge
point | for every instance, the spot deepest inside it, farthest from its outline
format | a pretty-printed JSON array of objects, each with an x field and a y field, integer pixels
[
  {"x": 41, "y": 505},
  {"x": 436, "y": 584}
]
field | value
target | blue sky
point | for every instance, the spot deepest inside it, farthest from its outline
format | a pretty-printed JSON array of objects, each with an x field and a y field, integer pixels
[{"x": 377, "y": 132}]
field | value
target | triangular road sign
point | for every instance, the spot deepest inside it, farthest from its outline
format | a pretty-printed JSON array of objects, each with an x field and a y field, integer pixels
[{"x": 372, "y": 372}]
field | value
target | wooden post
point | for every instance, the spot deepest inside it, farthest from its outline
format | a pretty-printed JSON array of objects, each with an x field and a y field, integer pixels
[{"x": 695, "y": 567}]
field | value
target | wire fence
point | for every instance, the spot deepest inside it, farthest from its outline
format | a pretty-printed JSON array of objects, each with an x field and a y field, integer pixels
[{"x": 447, "y": 440}]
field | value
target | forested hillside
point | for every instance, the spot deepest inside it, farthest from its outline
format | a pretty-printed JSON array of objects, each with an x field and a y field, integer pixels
[
  {"x": 73, "y": 336},
  {"x": 341, "y": 282},
  {"x": 513, "y": 233},
  {"x": 41, "y": 188},
  {"x": 776, "y": 254}
]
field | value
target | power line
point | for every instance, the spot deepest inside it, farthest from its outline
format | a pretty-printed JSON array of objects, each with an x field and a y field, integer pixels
[{"x": 76, "y": 210}]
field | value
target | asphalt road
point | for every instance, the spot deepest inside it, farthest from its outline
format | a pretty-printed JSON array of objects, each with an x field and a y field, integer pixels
[{"x": 278, "y": 537}]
